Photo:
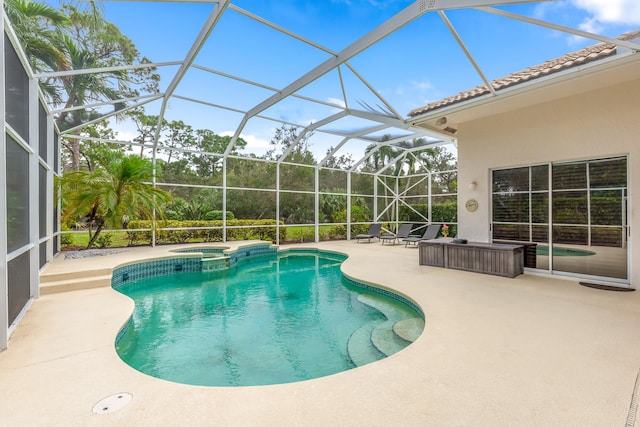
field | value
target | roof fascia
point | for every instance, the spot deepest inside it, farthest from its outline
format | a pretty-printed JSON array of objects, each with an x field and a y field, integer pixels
[{"x": 532, "y": 85}]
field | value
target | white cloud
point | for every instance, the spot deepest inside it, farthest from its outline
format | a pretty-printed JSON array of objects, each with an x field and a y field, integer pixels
[
  {"x": 125, "y": 135},
  {"x": 253, "y": 142},
  {"x": 609, "y": 12},
  {"x": 422, "y": 85},
  {"x": 337, "y": 101}
]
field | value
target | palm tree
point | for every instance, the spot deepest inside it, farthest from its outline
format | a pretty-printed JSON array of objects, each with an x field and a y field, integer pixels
[
  {"x": 82, "y": 88},
  {"x": 117, "y": 190},
  {"x": 39, "y": 28}
]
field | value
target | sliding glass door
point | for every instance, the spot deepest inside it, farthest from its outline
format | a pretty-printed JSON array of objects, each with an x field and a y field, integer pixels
[{"x": 575, "y": 213}]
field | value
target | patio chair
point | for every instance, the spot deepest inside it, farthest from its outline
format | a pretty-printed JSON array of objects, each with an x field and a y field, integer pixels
[
  {"x": 374, "y": 231},
  {"x": 431, "y": 232},
  {"x": 403, "y": 232}
]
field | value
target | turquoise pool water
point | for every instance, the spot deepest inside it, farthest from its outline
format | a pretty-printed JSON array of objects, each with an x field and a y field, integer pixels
[{"x": 268, "y": 320}]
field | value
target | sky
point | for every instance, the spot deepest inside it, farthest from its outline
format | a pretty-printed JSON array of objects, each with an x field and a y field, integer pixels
[{"x": 415, "y": 65}]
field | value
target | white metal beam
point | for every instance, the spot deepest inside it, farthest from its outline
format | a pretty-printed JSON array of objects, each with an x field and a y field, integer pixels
[
  {"x": 374, "y": 91},
  {"x": 410, "y": 13},
  {"x": 106, "y": 116},
  {"x": 629, "y": 45},
  {"x": 350, "y": 137},
  {"x": 102, "y": 104},
  {"x": 311, "y": 128},
  {"x": 104, "y": 69},
  {"x": 4, "y": 280},
  {"x": 282, "y": 29},
  {"x": 466, "y": 51},
  {"x": 197, "y": 45}
]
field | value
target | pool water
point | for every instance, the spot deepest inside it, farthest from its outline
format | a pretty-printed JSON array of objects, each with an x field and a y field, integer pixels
[{"x": 268, "y": 320}]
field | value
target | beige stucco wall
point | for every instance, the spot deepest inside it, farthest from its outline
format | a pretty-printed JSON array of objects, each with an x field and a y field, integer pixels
[{"x": 598, "y": 123}]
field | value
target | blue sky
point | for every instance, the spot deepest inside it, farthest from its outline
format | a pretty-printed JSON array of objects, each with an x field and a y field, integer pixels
[{"x": 416, "y": 65}]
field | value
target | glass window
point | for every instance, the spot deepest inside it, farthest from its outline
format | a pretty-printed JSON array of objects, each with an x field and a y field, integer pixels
[
  {"x": 569, "y": 176},
  {"x": 511, "y": 207},
  {"x": 511, "y": 180},
  {"x": 570, "y": 207},
  {"x": 607, "y": 207},
  {"x": 540, "y": 208},
  {"x": 516, "y": 232},
  {"x": 539, "y": 177},
  {"x": 608, "y": 173}
]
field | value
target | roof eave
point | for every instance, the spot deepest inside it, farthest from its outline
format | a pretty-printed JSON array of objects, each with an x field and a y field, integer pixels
[{"x": 621, "y": 58}]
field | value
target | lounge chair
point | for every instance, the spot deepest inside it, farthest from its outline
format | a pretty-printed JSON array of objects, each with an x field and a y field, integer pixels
[
  {"x": 374, "y": 231},
  {"x": 431, "y": 232},
  {"x": 403, "y": 232}
]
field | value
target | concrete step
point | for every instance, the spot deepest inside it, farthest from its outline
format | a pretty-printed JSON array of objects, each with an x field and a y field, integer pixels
[
  {"x": 360, "y": 348},
  {"x": 409, "y": 329},
  {"x": 74, "y": 284},
  {"x": 73, "y": 275}
]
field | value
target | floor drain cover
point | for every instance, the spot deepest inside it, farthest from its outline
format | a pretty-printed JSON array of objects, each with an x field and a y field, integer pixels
[{"x": 112, "y": 403}]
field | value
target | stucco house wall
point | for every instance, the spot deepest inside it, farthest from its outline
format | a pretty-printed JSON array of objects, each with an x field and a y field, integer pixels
[{"x": 596, "y": 123}]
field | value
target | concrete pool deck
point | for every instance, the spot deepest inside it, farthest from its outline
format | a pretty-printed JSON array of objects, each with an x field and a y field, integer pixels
[{"x": 528, "y": 351}]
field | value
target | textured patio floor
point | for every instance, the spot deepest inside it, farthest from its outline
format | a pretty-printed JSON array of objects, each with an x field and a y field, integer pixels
[{"x": 529, "y": 351}]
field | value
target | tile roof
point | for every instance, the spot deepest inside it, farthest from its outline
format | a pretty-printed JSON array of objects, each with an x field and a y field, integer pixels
[{"x": 570, "y": 60}]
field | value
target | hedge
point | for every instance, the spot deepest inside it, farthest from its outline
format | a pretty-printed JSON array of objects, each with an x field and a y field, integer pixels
[
  {"x": 444, "y": 212},
  {"x": 207, "y": 231}
]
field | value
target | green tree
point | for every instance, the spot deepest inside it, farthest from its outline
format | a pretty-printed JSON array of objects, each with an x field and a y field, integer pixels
[
  {"x": 91, "y": 41},
  {"x": 180, "y": 136},
  {"x": 147, "y": 127},
  {"x": 116, "y": 190},
  {"x": 38, "y": 28},
  {"x": 208, "y": 143}
]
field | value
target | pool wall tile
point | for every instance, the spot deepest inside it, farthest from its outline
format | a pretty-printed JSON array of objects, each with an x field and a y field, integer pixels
[
  {"x": 251, "y": 251},
  {"x": 158, "y": 267},
  {"x": 385, "y": 292}
]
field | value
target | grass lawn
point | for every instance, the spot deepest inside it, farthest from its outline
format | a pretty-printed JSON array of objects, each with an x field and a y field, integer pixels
[
  {"x": 306, "y": 233},
  {"x": 118, "y": 239}
]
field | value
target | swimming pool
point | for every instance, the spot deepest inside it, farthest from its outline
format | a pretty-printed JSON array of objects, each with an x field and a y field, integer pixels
[{"x": 268, "y": 319}]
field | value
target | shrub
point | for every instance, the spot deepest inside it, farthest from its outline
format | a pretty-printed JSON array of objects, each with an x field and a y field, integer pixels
[
  {"x": 217, "y": 215},
  {"x": 66, "y": 240},
  {"x": 204, "y": 231},
  {"x": 443, "y": 212},
  {"x": 104, "y": 241}
]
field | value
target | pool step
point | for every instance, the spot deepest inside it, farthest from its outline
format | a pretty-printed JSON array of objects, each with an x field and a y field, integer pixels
[
  {"x": 389, "y": 311},
  {"x": 409, "y": 329},
  {"x": 385, "y": 340},
  {"x": 389, "y": 336},
  {"x": 359, "y": 347}
]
